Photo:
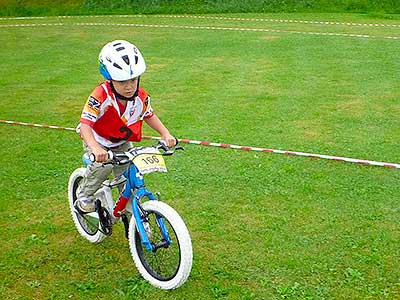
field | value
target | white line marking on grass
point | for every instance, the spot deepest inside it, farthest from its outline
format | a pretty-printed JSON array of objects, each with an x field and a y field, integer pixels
[
  {"x": 215, "y": 18},
  {"x": 206, "y": 28},
  {"x": 276, "y": 20},
  {"x": 31, "y": 25},
  {"x": 24, "y": 18}
]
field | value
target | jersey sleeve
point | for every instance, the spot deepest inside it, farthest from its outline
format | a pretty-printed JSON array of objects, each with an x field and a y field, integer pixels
[
  {"x": 149, "y": 110},
  {"x": 91, "y": 110}
]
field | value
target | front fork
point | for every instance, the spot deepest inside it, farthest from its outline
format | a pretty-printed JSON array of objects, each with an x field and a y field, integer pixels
[
  {"x": 140, "y": 216},
  {"x": 135, "y": 181}
]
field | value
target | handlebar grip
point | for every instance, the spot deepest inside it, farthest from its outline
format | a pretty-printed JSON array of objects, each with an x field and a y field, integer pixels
[
  {"x": 110, "y": 154},
  {"x": 92, "y": 157},
  {"x": 162, "y": 142}
]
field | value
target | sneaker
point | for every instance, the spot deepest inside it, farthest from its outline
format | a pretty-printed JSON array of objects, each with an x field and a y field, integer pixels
[{"x": 84, "y": 205}]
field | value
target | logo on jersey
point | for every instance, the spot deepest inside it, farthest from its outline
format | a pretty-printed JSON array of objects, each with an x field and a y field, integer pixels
[
  {"x": 88, "y": 116},
  {"x": 93, "y": 103}
]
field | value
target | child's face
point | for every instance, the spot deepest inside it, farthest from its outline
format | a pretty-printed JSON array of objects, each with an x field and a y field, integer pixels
[{"x": 126, "y": 88}]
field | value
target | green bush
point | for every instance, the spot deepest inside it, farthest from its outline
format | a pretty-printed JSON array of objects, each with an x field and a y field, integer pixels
[{"x": 72, "y": 7}]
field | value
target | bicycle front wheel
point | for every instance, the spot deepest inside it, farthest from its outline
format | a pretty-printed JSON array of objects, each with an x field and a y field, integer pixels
[{"x": 167, "y": 267}]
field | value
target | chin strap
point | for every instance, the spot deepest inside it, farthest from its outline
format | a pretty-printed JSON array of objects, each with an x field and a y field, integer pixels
[{"x": 119, "y": 96}]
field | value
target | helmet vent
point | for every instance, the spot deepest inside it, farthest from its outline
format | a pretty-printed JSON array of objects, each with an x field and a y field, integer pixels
[
  {"x": 116, "y": 44},
  {"x": 120, "y": 48},
  {"x": 126, "y": 59},
  {"x": 117, "y": 66},
  {"x": 136, "y": 59}
]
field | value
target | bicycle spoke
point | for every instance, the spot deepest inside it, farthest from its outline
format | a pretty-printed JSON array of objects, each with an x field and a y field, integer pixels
[{"x": 164, "y": 262}]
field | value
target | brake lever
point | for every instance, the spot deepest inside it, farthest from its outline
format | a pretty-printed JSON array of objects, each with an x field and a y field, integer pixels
[
  {"x": 172, "y": 151},
  {"x": 168, "y": 153},
  {"x": 123, "y": 162},
  {"x": 163, "y": 145}
]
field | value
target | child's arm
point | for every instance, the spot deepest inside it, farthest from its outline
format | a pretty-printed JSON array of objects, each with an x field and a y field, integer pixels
[
  {"x": 88, "y": 137},
  {"x": 155, "y": 123}
]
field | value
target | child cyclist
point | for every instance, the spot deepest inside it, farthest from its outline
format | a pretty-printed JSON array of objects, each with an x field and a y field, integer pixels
[{"x": 113, "y": 114}]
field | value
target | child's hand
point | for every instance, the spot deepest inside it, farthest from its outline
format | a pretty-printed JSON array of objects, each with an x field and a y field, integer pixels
[
  {"x": 169, "y": 140},
  {"x": 100, "y": 154}
]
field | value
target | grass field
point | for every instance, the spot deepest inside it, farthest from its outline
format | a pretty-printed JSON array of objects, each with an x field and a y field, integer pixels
[{"x": 263, "y": 226}]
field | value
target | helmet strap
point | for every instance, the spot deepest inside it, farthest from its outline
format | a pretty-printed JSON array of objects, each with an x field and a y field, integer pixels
[{"x": 121, "y": 97}]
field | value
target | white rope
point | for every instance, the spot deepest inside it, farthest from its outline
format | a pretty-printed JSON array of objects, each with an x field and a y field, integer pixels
[{"x": 245, "y": 148}]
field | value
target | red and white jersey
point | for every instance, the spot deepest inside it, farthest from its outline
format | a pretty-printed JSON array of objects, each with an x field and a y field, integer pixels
[{"x": 111, "y": 126}]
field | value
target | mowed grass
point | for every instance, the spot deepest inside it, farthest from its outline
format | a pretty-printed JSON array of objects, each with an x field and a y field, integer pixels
[{"x": 263, "y": 226}]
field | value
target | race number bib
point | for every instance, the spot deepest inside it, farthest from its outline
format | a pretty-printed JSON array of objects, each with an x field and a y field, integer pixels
[{"x": 149, "y": 163}]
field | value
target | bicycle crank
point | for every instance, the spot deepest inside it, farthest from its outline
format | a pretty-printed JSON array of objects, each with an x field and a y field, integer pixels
[{"x": 104, "y": 218}]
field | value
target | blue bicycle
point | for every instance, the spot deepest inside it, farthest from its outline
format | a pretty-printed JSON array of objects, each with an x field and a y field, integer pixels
[{"x": 159, "y": 240}]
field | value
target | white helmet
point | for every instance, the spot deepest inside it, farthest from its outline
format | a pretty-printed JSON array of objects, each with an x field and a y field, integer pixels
[{"x": 121, "y": 60}]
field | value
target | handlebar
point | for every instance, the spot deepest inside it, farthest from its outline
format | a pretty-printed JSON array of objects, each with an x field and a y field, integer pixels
[{"x": 125, "y": 157}]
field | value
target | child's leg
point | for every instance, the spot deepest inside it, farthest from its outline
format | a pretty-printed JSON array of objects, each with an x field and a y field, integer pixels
[{"x": 95, "y": 175}]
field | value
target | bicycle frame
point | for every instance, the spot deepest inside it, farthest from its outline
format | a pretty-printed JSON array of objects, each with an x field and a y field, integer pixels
[{"x": 135, "y": 190}]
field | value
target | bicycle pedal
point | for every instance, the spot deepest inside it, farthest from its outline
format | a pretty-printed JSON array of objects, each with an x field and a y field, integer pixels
[
  {"x": 106, "y": 226},
  {"x": 104, "y": 218}
]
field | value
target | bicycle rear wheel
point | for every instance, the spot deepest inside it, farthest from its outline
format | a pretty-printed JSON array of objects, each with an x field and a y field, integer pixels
[
  {"x": 88, "y": 225},
  {"x": 167, "y": 267}
]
